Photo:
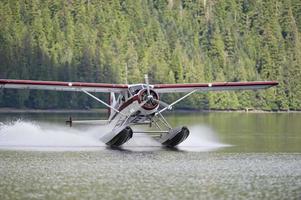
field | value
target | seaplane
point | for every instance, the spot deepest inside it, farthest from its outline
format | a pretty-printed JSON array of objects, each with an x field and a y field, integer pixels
[{"x": 136, "y": 104}]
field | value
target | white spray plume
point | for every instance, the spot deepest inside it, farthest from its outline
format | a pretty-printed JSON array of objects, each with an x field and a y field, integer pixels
[{"x": 44, "y": 136}]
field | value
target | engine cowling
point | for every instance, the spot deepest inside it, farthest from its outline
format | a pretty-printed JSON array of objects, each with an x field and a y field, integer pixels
[{"x": 152, "y": 99}]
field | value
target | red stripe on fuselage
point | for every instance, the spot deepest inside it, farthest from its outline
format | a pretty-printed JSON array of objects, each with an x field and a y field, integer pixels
[{"x": 128, "y": 102}]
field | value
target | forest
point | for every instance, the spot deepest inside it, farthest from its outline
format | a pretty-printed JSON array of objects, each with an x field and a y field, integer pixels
[{"x": 173, "y": 41}]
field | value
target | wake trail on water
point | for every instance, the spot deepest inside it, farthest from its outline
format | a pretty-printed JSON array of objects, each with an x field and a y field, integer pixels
[
  {"x": 46, "y": 136},
  {"x": 31, "y": 134}
]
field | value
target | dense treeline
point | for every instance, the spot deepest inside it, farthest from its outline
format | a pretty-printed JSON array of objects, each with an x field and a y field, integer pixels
[{"x": 174, "y": 41}]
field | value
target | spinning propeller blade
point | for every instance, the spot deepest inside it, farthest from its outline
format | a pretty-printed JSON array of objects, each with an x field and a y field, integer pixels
[
  {"x": 150, "y": 97},
  {"x": 147, "y": 84}
]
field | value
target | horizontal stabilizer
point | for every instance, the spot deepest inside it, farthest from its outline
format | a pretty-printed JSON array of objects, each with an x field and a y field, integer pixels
[
  {"x": 91, "y": 122},
  {"x": 71, "y": 122}
]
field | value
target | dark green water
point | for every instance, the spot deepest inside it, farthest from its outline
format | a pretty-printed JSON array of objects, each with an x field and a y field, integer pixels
[{"x": 228, "y": 156}]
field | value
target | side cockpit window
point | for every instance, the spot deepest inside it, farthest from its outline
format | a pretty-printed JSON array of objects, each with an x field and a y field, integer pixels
[{"x": 121, "y": 99}]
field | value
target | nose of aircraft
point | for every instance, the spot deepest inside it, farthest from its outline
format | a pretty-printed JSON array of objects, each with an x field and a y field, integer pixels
[{"x": 152, "y": 100}]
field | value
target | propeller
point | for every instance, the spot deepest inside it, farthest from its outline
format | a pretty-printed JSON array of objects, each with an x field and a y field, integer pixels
[{"x": 150, "y": 97}]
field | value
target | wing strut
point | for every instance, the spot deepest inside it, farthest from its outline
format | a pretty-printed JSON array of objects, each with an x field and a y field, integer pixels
[
  {"x": 104, "y": 103},
  {"x": 169, "y": 107}
]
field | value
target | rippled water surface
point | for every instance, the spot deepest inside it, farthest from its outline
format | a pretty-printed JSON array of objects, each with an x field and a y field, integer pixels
[{"x": 227, "y": 156}]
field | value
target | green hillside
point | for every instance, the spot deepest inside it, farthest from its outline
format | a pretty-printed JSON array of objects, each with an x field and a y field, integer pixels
[{"x": 174, "y": 41}]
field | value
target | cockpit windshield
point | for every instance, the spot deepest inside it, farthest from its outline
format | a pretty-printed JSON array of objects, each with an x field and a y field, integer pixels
[{"x": 135, "y": 89}]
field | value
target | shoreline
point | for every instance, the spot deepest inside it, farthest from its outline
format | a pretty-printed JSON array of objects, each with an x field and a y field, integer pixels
[
  {"x": 234, "y": 111},
  {"x": 16, "y": 110}
]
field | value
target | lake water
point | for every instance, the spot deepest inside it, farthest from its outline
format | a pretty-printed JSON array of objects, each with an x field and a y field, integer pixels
[{"x": 227, "y": 156}]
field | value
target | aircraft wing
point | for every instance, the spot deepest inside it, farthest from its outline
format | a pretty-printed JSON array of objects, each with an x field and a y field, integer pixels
[
  {"x": 216, "y": 86},
  {"x": 62, "y": 86}
]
